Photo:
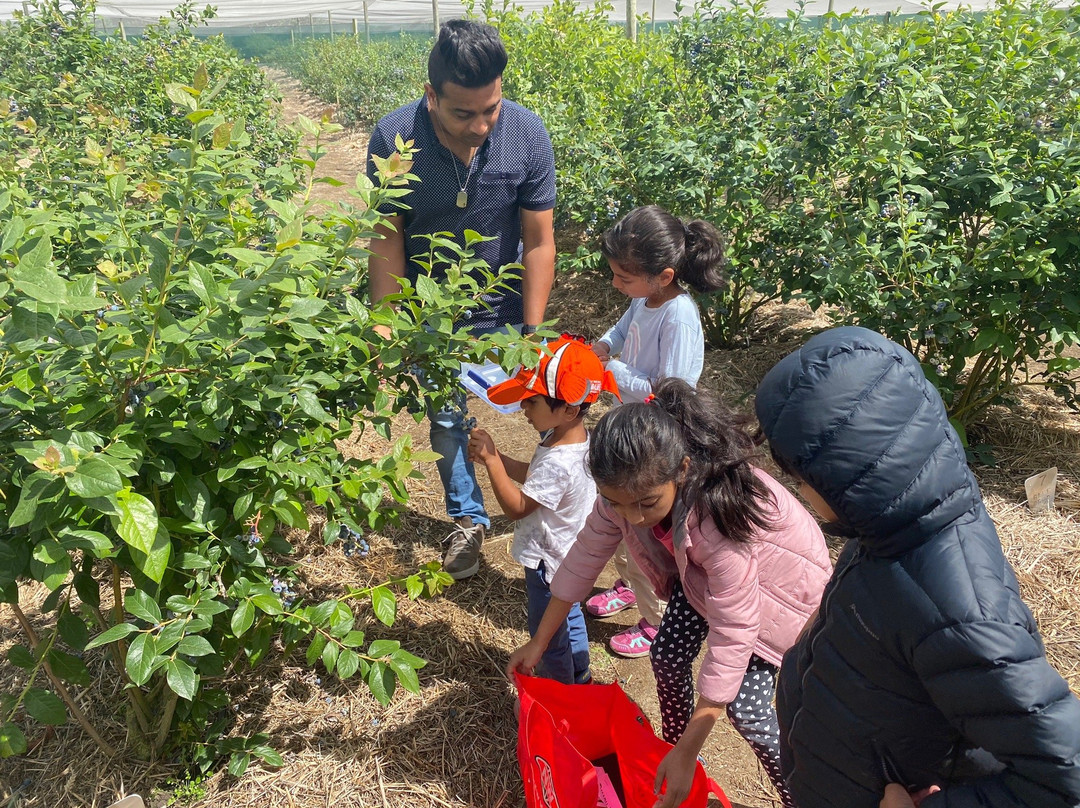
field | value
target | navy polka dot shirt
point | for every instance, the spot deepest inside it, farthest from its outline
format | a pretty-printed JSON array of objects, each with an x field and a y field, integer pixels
[{"x": 514, "y": 170}]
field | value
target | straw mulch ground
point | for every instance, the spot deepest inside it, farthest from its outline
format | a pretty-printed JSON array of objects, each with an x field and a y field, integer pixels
[{"x": 453, "y": 745}]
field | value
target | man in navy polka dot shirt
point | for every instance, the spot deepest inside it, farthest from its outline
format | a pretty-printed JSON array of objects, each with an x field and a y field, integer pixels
[{"x": 484, "y": 164}]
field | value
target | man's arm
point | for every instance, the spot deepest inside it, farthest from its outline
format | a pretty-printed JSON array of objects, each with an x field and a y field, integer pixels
[
  {"x": 386, "y": 265},
  {"x": 387, "y": 262},
  {"x": 538, "y": 258}
]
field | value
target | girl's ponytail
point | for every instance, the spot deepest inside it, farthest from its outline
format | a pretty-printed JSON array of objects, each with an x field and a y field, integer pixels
[
  {"x": 648, "y": 240},
  {"x": 641, "y": 446},
  {"x": 702, "y": 268}
]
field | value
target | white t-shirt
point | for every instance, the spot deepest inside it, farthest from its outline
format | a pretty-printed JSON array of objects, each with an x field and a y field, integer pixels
[
  {"x": 558, "y": 479},
  {"x": 655, "y": 344}
]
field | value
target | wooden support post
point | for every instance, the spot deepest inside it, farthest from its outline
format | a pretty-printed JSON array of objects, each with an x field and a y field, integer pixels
[
  {"x": 311, "y": 24},
  {"x": 631, "y": 20},
  {"x": 123, "y": 33},
  {"x": 330, "y": 23},
  {"x": 367, "y": 25},
  {"x": 435, "y": 16}
]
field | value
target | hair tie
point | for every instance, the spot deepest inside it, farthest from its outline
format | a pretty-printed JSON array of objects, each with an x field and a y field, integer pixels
[
  {"x": 649, "y": 399},
  {"x": 685, "y": 230}
]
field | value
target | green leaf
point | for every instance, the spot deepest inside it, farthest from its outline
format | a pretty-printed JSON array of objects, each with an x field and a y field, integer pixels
[
  {"x": 117, "y": 632},
  {"x": 414, "y": 587},
  {"x": 314, "y": 651},
  {"x": 406, "y": 675},
  {"x": 180, "y": 96},
  {"x": 36, "y": 279},
  {"x": 290, "y": 234},
  {"x": 137, "y": 522},
  {"x": 154, "y": 563},
  {"x": 305, "y": 308},
  {"x": 142, "y": 606},
  {"x": 69, "y": 668},
  {"x": 347, "y": 663},
  {"x": 382, "y": 648},
  {"x": 242, "y": 618},
  {"x": 182, "y": 678},
  {"x": 381, "y": 681},
  {"x": 271, "y": 604},
  {"x": 98, "y": 544},
  {"x": 141, "y": 656},
  {"x": 384, "y": 605},
  {"x": 12, "y": 741},
  {"x": 73, "y": 630},
  {"x": 238, "y": 763},
  {"x": 20, "y": 657},
  {"x": 94, "y": 477},
  {"x": 268, "y": 756},
  {"x": 195, "y": 646},
  {"x": 412, "y": 661},
  {"x": 329, "y": 656},
  {"x": 44, "y": 706},
  {"x": 309, "y": 403}
]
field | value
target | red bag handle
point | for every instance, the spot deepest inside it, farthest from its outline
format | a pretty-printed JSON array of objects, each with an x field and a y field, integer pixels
[{"x": 716, "y": 791}]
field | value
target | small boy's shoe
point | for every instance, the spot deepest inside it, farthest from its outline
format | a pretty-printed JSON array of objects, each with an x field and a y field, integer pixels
[
  {"x": 634, "y": 642},
  {"x": 462, "y": 557},
  {"x": 613, "y": 600}
]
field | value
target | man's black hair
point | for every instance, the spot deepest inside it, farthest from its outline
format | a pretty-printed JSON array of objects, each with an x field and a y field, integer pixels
[{"x": 468, "y": 53}]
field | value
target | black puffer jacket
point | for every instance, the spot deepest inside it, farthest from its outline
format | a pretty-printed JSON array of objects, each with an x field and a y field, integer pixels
[{"x": 922, "y": 647}]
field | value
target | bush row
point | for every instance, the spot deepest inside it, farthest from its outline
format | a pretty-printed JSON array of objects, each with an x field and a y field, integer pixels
[
  {"x": 917, "y": 175},
  {"x": 184, "y": 340}
]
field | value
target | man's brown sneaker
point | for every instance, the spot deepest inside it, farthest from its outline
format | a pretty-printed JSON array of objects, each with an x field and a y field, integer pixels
[{"x": 462, "y": 557}]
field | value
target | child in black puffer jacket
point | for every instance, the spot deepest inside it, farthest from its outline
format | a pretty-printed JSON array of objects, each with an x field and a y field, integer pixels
[{"x": 923, "y": 678}]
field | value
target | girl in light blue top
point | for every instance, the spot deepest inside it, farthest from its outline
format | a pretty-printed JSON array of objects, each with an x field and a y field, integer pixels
[{"x": 653, "y": 256}]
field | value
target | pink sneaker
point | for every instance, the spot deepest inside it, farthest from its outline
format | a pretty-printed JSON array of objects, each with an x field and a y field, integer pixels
[
  {"x": 634, "y": 642},
  {"x": 613, "y": 600}
]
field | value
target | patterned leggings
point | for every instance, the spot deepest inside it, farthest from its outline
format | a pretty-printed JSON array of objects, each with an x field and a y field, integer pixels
[{"x": 679, "y": 639}]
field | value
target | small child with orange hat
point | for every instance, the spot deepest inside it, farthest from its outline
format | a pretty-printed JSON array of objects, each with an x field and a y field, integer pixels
[{"x": 556, "y": 493}]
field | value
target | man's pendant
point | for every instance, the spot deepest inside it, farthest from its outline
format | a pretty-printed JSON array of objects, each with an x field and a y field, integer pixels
[{"x": 462, "y": 199}]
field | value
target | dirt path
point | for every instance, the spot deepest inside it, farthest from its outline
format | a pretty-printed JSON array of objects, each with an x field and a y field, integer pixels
[{"x": 345, "y": 150}]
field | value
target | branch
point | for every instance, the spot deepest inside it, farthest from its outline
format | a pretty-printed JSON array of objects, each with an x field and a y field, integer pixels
[{"x": 62, "y": 691}]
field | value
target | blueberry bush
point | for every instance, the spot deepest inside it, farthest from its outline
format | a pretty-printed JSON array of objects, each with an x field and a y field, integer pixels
[
  {"x": 184, "y": 338},
  {"x": 914, "y": 175}
]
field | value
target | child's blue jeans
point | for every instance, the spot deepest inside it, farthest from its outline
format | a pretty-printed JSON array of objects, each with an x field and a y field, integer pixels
[{"x": 567, "y": 657}]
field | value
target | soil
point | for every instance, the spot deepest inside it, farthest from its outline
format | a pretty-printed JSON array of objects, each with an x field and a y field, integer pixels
[{"x": 453, "y": 744}]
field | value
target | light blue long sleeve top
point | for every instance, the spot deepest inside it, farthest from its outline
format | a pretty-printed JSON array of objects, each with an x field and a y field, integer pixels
[{"x": 653, "y": 344}]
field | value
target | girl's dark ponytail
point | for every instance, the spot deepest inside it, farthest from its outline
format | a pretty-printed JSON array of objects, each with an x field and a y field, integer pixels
[
  {"x": 703, "y": 266},
  {"x": 648, "y": 240},
  {"x": 641, "y": 446}
]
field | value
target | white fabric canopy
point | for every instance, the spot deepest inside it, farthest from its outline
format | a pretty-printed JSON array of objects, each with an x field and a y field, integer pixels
[{"x": 257, "y": 15}]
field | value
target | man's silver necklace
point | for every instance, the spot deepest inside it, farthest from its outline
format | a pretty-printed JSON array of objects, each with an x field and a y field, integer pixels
[{"x": 462, "y": 195}]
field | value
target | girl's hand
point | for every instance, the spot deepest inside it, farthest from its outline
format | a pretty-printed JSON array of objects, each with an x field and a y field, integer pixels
[
  {"x": 677, "y": 770},
  {"x": 481, "y": 446},
  {"x": 896, "y": 796},
  {"x": 524, "y": 659}
]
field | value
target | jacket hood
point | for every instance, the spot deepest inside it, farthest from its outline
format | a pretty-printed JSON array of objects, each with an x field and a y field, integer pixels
[{"x": 853, "y": 415}]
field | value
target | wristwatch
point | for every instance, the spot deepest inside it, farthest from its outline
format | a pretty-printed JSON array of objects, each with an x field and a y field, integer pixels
[{"x": 526, "y": 330}]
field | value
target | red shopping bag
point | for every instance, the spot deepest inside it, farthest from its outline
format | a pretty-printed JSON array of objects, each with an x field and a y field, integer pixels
[{"x": 580, "y": 746}]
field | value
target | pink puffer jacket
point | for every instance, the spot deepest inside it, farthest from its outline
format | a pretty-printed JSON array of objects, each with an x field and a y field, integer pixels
[{"x": 756, "y": 596}]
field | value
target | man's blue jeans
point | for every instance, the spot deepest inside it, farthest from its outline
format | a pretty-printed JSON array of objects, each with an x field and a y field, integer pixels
[
  {"x": 449, "y": 439},
  {"x": 567, "y": 657}
]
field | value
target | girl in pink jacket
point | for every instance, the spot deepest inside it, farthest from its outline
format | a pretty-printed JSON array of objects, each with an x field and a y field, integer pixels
[{"x": 741, "y": 563}]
